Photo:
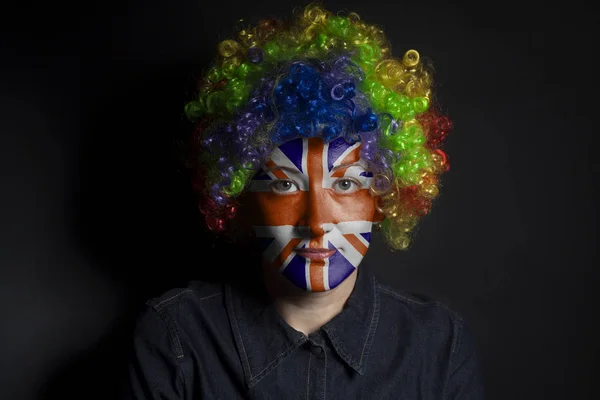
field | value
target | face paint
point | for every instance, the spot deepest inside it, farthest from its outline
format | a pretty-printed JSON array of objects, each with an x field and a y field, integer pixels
[{"x": 312, "y": 211}]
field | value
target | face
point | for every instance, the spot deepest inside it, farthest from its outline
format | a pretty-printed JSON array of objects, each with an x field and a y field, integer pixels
[{"x": 312, "y": 211}]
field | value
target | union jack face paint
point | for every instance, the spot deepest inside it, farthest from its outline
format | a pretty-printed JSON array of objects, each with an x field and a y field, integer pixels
[{"x": 313, "y": 211}]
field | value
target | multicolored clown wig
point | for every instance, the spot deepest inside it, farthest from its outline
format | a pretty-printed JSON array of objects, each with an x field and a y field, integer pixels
[{"x": 319, "y": 75}]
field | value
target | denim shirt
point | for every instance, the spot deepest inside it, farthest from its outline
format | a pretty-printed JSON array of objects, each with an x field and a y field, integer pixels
[{"x": 211, "y": 341}]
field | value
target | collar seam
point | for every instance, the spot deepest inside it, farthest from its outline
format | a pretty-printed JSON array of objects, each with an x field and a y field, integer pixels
[{"x": 340, "y": 347}]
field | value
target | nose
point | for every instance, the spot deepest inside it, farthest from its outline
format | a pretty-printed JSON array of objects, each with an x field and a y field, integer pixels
[{"x": 318, "y": 212}]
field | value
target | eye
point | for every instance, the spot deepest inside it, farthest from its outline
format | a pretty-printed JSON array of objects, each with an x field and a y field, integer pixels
[
  {"x": 346, "y": 185},
  {"x": 283, "y": 186}
]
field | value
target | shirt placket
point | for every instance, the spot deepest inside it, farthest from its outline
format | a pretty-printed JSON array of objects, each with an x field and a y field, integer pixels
[{"x": 316, "y": 375}]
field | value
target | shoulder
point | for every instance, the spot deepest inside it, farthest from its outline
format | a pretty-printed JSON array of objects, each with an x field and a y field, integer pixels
[
  {"x": 422, "y": 312},
  {"x": 180, "y": 308},
  {"x": 429, "y": 333},
  {"x": 194, "y": 293},
  {"x": 177, "y": 317}
]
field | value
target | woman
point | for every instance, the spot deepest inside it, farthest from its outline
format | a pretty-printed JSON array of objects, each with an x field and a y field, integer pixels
[{"x": 310, "y": 134}]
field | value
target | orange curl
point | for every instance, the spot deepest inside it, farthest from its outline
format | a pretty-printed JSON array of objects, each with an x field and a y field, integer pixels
[{"x": 440, "y": 161}]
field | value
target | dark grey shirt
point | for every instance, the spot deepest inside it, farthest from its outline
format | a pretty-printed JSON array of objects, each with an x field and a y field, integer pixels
[{"x": 211, "y": 341}]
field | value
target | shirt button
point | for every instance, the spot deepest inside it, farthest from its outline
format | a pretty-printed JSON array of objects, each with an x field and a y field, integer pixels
[{"x": 316, "y": 350}]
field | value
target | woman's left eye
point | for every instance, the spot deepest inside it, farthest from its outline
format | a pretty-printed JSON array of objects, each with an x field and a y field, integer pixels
[{"x": 346, "y": 185}]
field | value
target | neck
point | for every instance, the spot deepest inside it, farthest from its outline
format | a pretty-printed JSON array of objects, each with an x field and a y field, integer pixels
[{"x": 306, "y": 311}]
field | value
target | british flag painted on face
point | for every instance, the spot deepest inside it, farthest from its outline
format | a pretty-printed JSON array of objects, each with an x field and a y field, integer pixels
[{"x": 313, "y": 195}]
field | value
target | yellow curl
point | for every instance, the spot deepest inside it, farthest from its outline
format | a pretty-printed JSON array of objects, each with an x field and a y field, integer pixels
[
  {"x": 314, "y": 14},
  {"x": 389, "y": 71},
  {"x": 388, "y": 204},
  {"x": 411, "y": 59},
  {"x": 228, "y": 48}
]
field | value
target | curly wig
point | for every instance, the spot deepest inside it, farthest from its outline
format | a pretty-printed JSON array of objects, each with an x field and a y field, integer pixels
[{"x": 326, "y": 75}]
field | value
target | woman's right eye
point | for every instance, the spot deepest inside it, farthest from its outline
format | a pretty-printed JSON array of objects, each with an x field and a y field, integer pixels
[{"x": 283, "y": 186}]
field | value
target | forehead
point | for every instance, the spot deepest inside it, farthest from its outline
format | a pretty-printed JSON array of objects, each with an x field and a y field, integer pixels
[{"x": 298, "y": 153}]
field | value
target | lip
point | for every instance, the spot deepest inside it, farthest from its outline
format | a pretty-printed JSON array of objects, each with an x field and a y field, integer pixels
[{"x": 315, "y": 254}]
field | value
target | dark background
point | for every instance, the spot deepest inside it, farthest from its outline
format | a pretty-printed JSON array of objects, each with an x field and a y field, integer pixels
[{"x": 95, "y": 216}]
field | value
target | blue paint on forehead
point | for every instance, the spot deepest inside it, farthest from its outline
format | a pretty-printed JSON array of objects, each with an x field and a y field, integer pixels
[
  {"x": 293, "y": 151},
  {"x": 337, "y": 147}
]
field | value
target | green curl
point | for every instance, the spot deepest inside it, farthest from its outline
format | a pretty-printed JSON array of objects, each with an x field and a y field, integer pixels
[{"x": 239, "y": 179}]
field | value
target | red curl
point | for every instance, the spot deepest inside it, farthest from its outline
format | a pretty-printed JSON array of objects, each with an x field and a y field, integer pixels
[
  {"x": 208, "y": 207},
  {"x": 413, "y": 202},
  {"x": 436, "y": 127},
  {"x": 230, "y": 211},
  {"x": 409, "y": 192},
  {"x": 215, "y": 224},
  {"x": 422, "y": 206}
]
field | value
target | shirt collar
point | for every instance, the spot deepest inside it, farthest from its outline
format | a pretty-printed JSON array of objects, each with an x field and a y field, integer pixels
[
  {"x": 264, "y": 339},
  {"x": 351, "y": 332}
]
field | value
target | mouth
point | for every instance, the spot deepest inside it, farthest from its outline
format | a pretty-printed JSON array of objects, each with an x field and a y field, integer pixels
[{"x": 315, "y": 254}]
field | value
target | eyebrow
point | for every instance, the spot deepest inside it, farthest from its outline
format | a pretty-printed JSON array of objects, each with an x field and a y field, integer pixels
[{"x": 358, "y": 164}]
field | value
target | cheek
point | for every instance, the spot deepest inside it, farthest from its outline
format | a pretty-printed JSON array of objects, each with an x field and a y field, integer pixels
[
  {"x": 270, "y": 209},
  {"x": 357, "y": 207}
]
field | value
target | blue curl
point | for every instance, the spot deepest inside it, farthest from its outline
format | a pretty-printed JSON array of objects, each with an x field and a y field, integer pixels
[
  {"x": 313, "y": 101},
  {"x": 366, "y": 123}
]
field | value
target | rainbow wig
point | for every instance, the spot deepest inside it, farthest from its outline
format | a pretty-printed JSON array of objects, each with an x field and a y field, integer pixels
[{"x": 320, "y": 75}]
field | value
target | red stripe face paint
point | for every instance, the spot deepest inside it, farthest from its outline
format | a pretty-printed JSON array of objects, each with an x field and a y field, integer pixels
[{"x": 312, "y": 211}]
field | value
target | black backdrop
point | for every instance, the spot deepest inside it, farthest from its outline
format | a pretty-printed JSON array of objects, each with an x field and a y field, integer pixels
[{"x": 95, "y": 217}]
